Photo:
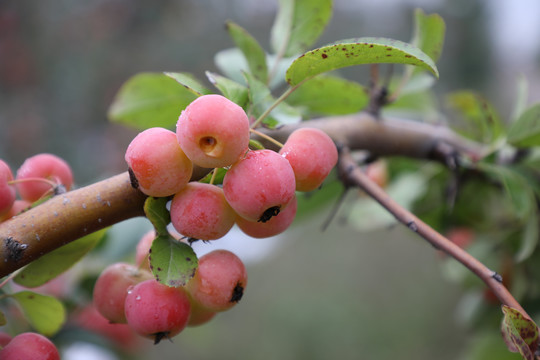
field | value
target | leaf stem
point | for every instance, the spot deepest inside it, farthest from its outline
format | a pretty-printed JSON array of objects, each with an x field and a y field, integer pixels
[{"x": 274, "y": 105}]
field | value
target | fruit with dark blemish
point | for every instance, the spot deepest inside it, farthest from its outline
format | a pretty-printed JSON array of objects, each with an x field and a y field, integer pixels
[
  {"x": 219, "y": 282},
  {"x": 157, "y": 311},
  {"x": 158, "y": 163},
  {"x": 260, "y": 181}
]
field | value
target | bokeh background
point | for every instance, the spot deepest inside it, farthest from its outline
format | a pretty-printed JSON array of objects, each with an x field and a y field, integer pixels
[{"x": 311, "y": 295}]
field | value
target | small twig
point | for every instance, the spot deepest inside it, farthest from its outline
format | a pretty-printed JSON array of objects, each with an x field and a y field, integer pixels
[{"x": 354, "y": 175}]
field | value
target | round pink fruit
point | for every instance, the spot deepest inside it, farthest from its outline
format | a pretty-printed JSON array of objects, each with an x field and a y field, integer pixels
[
  {"x": 219, "y": 282},
  {"x": 200, "y": 211},
  {"x": 157, "y": 311},
  {"x": 213, "y": 131},
  {"x": 312, "y": 155},
  {"x": 7, "y": 191},
  {"x": 46, "y": 167},
  {"x": 30, "y": 345},
  {"x": 158, "y": 163},
  {"x": 112, "y": 287},
  {"x": 260, "y": 185}
]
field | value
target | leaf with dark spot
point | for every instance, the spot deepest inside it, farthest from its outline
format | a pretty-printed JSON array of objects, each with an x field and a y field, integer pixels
[
  {"x": 173, "y": 262},
  {"x": 519, "y": 333}
]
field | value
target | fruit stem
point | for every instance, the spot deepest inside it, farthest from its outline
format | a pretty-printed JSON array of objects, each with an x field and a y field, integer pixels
[
  {"x": 213, "y": 178},
  {"x": 267, "y": 137}
]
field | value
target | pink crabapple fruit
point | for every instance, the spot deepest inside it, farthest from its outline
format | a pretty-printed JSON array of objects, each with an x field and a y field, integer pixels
[
  {"x": 111, "y": 289},
  {"x": 219, "y": 282},
  {"x": 200, "y": 211},
  {"x": 213, "y": 131},
  {"x": 157, "y": 311},
  {"x": 30, "y": 345},
  {"x": 44, "y": 166},
  {"x": 312, "y": 155},
  {"x": 158, "y": 163},
  {"x": 259, "y": 185},
  {"x": 7, "y": 191},
  {"x": 5, "y": 338},
  {"x": 276, "y": 225},
  {"x": 199, "y": 315}
]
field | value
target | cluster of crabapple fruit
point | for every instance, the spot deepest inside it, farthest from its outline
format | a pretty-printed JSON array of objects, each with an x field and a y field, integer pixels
[
  {"x": 128, "y": 293},
  {"x": 39, "y": 176},
  {"x": 258, "y": 192}
]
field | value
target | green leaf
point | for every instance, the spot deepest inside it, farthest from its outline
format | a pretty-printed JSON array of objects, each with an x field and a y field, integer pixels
[
  {"x": 232, "y": 90},
  {"x": 156, "y": 211},
  {"x": 429, "y": 33},
  {"x": 479, "y": 118},
  {"x": 253, "y": 52},
  {"x": 519, "y": 334},
  {"x": 298, "y": 24},
  {"x": 522, "y": 92},
  {"x": 149, "y": 100},
  {"x": 3, "y": 320},
  {"x": 525, "y": 131},
  {"x": 189, "y": 81},
  {"x": 57, "y": 261},
  {"x": 357, "y": 52},
  {"x": 173, "y": 262},
  {"x": 529, "y": 238},
  {"x": 261, "y": 99},
  {"x": 516, "y": 188},
  {"x": 330, "y": 95},
  {"x": 45, "y": 313}
]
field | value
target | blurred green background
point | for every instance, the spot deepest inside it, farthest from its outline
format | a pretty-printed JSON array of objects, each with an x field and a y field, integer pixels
[{"x": 311, "y": 295}]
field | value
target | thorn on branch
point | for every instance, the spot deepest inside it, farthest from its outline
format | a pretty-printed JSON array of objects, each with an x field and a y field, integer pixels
[
  {"x": 497, "y": 277},
  {"x": 412, "y": 226}
]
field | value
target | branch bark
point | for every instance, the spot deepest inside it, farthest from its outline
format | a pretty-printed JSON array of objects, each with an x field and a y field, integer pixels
[
  {"x": 352, "y": 175},
  {"x": 69, "y": 216}
]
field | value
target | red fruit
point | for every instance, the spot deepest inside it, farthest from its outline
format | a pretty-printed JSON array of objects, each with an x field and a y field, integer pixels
[
  {"x": 461, "y": 236},
  {"x": 276, "y": 225},
  {"x": 42, "y": 166},
  {"x": 112, "y": 287},
  {"x": 158, "y": 163},
  {"x": 213, "y": 131},
  {"x": 378, "y": 172},
  {"x": 30, "y": 346},
  {"x": 157, "y": 311},
  {"x": 4, "y": 339},
  {"x": 200, "y": 211},
  {"x": 312, "y": 155},
  {"x": 260, "y": 185},
  {"x": 199, "y": 315},
  {"x": 219, "y": 282},
  {"x": 7, "y": 192}
]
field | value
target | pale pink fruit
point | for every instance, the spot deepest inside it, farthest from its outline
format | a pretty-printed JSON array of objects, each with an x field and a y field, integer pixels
[
  {"x": 219, "y": 282},
  {"x": 42, "y": 166},
  {"x": 213, "y": 131},
  {"x": 200, "y": 211},
  {"x": 30, "y": 345},
  {"x": 158, "y": 163},
  {"x": 312, "y": 155},
  {"x": 7, "y": 191},
  {"x": 260, "y": 185}
]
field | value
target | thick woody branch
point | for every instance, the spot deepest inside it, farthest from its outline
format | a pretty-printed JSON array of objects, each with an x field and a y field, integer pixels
[
  {"x": 69, "y": 216},
  {"x": 352, "y": 175},
  {"x": 65, "y": 218}
]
